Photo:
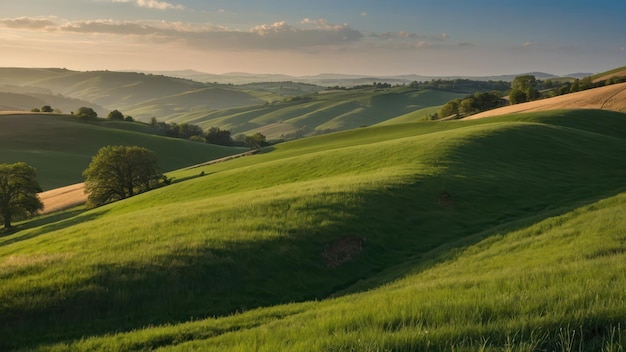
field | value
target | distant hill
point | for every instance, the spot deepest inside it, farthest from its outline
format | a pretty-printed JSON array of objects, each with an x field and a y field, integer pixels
[
  {"x": 320, "y": 113},
  {"x": 61, "y": 147},
  {"x": 332, "y": 79},
  {"x": 123, "y": 90},
  {"x": 279, "y": 106},
  {"x": 27, "y": 101}
]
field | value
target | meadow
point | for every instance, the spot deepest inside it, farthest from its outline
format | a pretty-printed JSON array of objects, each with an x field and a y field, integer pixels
[
  {"x": 61, "y": 146},
  {"x": 499, "y": 234}
]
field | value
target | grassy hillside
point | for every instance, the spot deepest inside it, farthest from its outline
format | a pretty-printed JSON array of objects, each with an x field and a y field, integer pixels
[
  {"x": 28, "y": 98},
  {"x": 247, "y": 108},
  {"x": 135, "y": 92},
  {"x": 461, "y": 233},
  {"x": 326, "y": 111},
  {"x": 612, "y": 98},
  {"x": 61, "y": 147},
  {"x": 617, "y": 72}
]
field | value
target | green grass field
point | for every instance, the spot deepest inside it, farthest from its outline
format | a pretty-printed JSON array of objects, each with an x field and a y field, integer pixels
[
  {"x": 500, "y": 234},
  {"x": 333, "y": 110},
  {"x": 61, "y": 147}
]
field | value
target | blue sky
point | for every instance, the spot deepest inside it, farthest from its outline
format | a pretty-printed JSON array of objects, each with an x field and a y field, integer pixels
[{"x": 427, "y": 37}]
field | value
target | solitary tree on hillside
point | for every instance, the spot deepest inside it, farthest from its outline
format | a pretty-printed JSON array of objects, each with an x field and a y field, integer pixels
[
  {"x": 85, "y": 113},
  {"x": 46, "y": 108},
  {"x": 115, "y": 115},
  {"x": 18, "y": 192},
  {"x": 118, "y": 172}
]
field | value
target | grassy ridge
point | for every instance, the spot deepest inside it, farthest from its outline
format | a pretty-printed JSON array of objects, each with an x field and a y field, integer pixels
[
  {"x": 555, "y": 285},
  {"x": 335, "y": 110},
  {"x": 253, "y": 232},
  {"x": 47, "y": 141}
]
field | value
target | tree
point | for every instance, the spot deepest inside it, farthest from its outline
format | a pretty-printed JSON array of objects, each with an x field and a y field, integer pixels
[
  {"x": 256, "y": 141},
  {"x": 18, "y": 192},
  {"x": 523, "y": 89},
  {"x": 85, "y": 113},
  {"x": 115, "y": 115},
  {"x": 575, "y": 87},
  {"x": 46, "y": 108},
  {"x": 517, "y": 96},
  {"x": 451, "y": 108},
  {"x": 220, "y": 137},
  {"x": 118, "y": 172}
]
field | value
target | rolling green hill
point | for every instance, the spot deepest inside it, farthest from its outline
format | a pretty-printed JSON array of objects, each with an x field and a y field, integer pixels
[
  {"x": 128, "y": 90},
  {"x": 323, "y": 112},
  {"x": 424, "y": 236},
  {"x": 299, "y": 108},
  {"x": 61, "y": 146}
]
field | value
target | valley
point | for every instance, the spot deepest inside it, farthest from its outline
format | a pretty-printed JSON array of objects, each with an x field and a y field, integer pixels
[{"x": 501, "y": 231}]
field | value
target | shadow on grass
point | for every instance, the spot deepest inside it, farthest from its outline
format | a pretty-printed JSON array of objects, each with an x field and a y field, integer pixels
[
  {"x": 195, "y": 283},
  {"x": 406, "y": 228},
  {"x": 50, "y": 223}
]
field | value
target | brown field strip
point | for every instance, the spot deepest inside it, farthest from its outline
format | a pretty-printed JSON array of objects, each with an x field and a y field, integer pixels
[
  {"x": 63, "y": 198},
  {"x": 611, "y": 97}
]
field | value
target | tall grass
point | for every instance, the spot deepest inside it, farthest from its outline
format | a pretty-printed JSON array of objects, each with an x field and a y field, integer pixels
[
  {"x": 556, "y": 285},
  {"x": 252, "y": 232}
]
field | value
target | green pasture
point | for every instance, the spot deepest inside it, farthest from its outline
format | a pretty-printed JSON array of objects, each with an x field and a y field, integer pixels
[
  {"x": 331, "y": 110},
  {"x": 495, "y": 234},
  {"x": 61, "y": 146}
]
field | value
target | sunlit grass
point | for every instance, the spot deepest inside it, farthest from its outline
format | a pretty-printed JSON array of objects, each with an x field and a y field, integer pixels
[{"x": 504, "y": 257}]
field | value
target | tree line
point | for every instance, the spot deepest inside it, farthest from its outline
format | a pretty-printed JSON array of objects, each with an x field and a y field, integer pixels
[
  {"x": 214, "y": 135},
  {"x": 184, "y": 130},
  {"x": 522, "y": 89}
]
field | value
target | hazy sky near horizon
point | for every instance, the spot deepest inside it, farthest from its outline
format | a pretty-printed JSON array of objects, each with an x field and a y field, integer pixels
[{"x": 297, "y": 37}]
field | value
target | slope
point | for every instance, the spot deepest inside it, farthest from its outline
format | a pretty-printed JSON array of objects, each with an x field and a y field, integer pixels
[
  {"x": 611, "y": 98},
  {"x": 29, "y": 100},
  {"x": 126, "y": 90},
  {"x": 61, "y": 147},
  {"x": 552, "y": 286},
  {"x": 312, "y": 219},
  {"x": 320, "y": 113}
]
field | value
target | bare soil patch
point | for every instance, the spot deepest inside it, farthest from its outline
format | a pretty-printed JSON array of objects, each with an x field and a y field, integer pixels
[
  {"x": 63, "y": 198},
  {"x": 445, "y": 200},
  {"x": 342, "y": 250},
  {"x": 611, "y": 97}
]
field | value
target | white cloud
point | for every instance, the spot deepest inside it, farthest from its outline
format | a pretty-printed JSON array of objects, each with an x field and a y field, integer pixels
[
  {"x": 363, "y": 14},
  {"x": 527, "y": 44},
  {"x": 322, "y": 23},
  {"x": 278, "y": 35},
  {"x": 153, "y": 4},
  {"x": 29, "y": 22}
]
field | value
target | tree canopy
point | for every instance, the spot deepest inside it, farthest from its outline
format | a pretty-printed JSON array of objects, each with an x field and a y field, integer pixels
[
  {"x": 220, "y": 137},
  {"x": 115, "y": 115},
  {"x": 118, "y": 172},
  {"x": 18, "y": 192},
  {"x": 523, "y": 89},
  {"x": 85, "y": 113}
]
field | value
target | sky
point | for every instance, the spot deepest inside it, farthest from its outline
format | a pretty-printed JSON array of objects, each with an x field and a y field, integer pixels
[{"x": 305, "y": 37}]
